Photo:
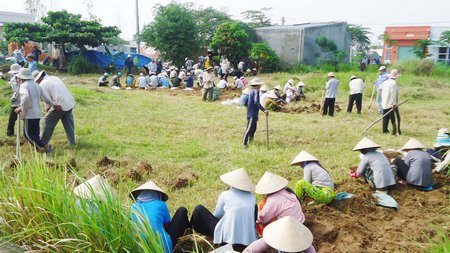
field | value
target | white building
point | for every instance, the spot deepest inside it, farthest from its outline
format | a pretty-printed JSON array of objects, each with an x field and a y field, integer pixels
[
  {"x": 439, "y": 53},
  {"x": 13, "y": 17}
]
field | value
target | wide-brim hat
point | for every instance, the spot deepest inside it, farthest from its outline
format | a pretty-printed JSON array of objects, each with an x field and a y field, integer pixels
[
  {"x": 272, "y": 95},
  {"x": 96, "y": 187},
  {"x": 150, "y": 186},
  {"x": 270, "y": 183},
  {"x": 300, "y": 84},
  {"x": 288, "y": 234},
  {"x": 442, "y": 140},
  {"x": 25, "y": 74},
  {"x": 264, "y": 88},
  {"x": 34, "y": 73},
  {"x": 365, "y": 143},
  {"x": 353, "y": 77},
  {"x": 413, "y": 144},
  {"x": 303, "y": 156},
  {"x": 443, "y": 131},
  {"x": 15, "y": 68},
  {"x": 331, "y": 74},
  {"x": 39, "y": 75},
  {"x": 238, "y": 179},
  {"x": 256, "y": 81},
  {"x": 291, "y": 81},
  {"x": 382, "y": 68},
  {"x": 209, "y": 68},
  {"x": 247, "y": 91},
  {"x": 278, "y": 87}
]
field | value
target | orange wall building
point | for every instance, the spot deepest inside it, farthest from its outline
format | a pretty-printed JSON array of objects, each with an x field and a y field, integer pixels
[{"x": 399, "y": 42}]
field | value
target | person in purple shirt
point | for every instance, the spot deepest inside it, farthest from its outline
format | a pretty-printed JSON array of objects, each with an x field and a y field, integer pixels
[{"x": 253, "y": 108}]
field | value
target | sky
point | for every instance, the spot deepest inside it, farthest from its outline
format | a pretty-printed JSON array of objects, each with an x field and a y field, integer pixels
[{"x": 375, "y": 15}]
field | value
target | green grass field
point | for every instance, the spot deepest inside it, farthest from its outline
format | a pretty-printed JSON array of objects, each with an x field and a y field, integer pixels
[{"x": 175, "y": 132}]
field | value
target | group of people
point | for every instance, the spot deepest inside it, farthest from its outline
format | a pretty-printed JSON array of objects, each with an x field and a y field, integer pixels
[
  {"x": 29, "y": 87},
  {"x": 277, "y": 220}
]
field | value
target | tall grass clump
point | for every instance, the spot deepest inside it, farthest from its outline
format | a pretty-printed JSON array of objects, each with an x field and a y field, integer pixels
[
  {"x": 40, "y": 212},
  {"x": 423, "y": 67}
]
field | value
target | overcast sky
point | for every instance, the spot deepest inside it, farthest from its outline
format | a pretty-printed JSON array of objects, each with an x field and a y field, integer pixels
[{"x": 374, "y": 14}]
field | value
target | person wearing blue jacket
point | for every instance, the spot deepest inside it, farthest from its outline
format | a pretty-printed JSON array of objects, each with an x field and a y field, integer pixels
[{"x": 253, "y": 108}]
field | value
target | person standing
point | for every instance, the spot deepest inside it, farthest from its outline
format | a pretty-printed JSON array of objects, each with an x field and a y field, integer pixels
[
  {"x": 36, "y": 53},
  {"x": 208, "y": 84},
  {"x": 56, "y": 90},
  {"x": 381, "y": 78},
  {"x": 389, "y": 100},
  {"x": 253, "y": 108},
  {"x": 128, "y": 65},
  {"x": 30, "y": 95},
  {"x": 330, "y": 95},
  {"x": 32, "y": 65},
  {"x": 356, "y": 92},
  {"x": 20, "y": 59},
  {"x": 15, "y": 98}
]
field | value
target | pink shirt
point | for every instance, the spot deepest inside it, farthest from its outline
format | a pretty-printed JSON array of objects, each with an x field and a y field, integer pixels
[{"x": 281, "y": 204}]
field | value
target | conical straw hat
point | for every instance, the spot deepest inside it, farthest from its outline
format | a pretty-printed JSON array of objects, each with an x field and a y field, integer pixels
[
  {"x": 288, "y": 234},
  {"x": 413, "y": 144},
  {"x": 256, "y": 81},
  {"x": 270, "y": 183},
  {"x": 247, "y": 91},
  {"x": 443, "y": 131},
  {"x": 272, "y": 95},
  {"x": 238, "y": 179},
  {"x": 303, "y": 157},
  {"x": 300, "y": 84},
  {"x": 149, "y": 185},
  {"x": 264, "y": 88},
  {"x": 278, "y": 87},
  {"x": 365, "y": 143},
  {"x": 96, "y": 187}
]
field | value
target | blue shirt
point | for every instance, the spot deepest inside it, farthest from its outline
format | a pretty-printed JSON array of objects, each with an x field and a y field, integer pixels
[
  {"x": 190, "y": 82},
  {"x": 32, "y": 66},
  {"x": 381, "y": 78},
  {"x": 163, "y": 81},
  {"x": 157, "y": 215},
  {"x": 129, "y": 63},
  {"x": 243, "y": 100},
  {"x": 254, "y": 106}
]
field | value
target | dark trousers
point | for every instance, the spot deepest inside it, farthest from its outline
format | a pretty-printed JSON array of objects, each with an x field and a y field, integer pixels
[
  {"x": 31, "y": 132},
  {"x": 402, "y": 168},
  {"x": 328, "y": 106},
  {"x": 178, "y": 225},
  {"x": 252, "y": 124},
  {"x": 203, "y": 221},
  {"x": 11, "y": 122},
  {"x": 355, "y": 98},
  {"x": 389, "y": 117}
]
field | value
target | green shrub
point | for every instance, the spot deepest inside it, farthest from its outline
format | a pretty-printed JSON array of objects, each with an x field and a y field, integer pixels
[
  {"x": 266, "y": 57},
  {"x": 423, "y": 67},
  {"x": 79, "y": 64}
]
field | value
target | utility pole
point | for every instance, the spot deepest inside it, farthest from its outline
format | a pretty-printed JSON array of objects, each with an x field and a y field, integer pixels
[
  {"x": 138, "y": 39},
  {"x": 283, "y": 21}
]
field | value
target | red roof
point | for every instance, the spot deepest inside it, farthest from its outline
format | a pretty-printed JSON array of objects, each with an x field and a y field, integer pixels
[{"x": 408, "y": 32}]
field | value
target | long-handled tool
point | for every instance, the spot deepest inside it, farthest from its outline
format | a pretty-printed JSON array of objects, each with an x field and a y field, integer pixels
[
  {"x": 267, "y": 131},
  {"x": 18, "y": 138},
  {"x": 321, "y": 101},
  {"x": 371, "y": 97},
  {"x": 380, "y": 118}
]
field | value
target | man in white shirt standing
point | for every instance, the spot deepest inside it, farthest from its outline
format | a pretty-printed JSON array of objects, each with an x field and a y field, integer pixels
[
  {"x": 356, "y": 92},
  {"x": 57, "y": 91},
  {"x": 330, "y": 95},
  {"x": 389, "y": 100},
  {"x": 30, "y": 95}
]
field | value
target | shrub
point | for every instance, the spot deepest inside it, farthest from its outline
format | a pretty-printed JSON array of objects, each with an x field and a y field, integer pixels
[
  {"x": 79, "y": 64},
  {"x": 266, "y": 57}
]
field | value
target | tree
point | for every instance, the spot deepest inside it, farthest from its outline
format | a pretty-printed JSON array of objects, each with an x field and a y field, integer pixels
[
  {"x": 359, "y": 35},
  {"x": 257, "y": 18},
  {"x": 445, "y": 38},
  {"x": 265, "y": 56},
  {"x": 25, "y": 32},
  {"x": 208, "y": 20},
  {"x": 420, "y": 48},
  {"x": 173, "y": 32},
  {"x": 329, "y": 52},
  {"x": 231, "y": 40},
  {"x": 35, "y": 8}
]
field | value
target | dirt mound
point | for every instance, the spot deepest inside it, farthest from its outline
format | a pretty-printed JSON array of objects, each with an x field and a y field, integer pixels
[
  {"x": 9, "y": 142},
  {"x": 144, "y": 168},
  {"x": 105, "y": 162},
  {"x": 72, "y": 163},
  {"x": 183, "y": 180},
  {"x": 358, "y": 225}
]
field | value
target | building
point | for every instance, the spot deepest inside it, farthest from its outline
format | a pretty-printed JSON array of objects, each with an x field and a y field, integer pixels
[
  {"x": 295, "y": 44},
  {"x": 438, "y": 52},
  {"x": 13, "y": 17}
]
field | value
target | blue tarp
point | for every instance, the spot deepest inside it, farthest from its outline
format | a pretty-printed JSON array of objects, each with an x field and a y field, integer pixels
[{"x": 103, "y": 60}]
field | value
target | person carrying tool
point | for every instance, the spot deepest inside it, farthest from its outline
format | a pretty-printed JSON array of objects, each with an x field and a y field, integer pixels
[
  {"x": 356, "y": 92},
  {"x": 330, "y": 95},
  {"x": 381, "y": 78},
  {"x": 389, "y": 100},
  {"x": 253, "y": 108}
]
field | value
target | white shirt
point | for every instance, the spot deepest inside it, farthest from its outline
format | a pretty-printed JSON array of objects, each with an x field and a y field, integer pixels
[
  {"x": 143, "y": 81},
  {"x": 331, "y": 88},
  {"x": 389, "y": 93},
  {"x": 154, "y": 81},
  {"x": 356, "y": 86},
  {"x": 222, "y": 84},
  {"x": 30, "y": 95},
  {"x": 263, "y": 97},
  {"x": 182, "y": 75},
  {"x": 238, "y": 84},
  {"x": 286, "y": 87},
  {"x": 57, "y": 91}
]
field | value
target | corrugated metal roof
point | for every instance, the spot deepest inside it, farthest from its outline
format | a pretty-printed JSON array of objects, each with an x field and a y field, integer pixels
[{"x": 298, "y": 26}]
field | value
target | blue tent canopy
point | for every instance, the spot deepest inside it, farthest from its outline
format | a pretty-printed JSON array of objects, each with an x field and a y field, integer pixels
[{"x": 103, "y": 60}]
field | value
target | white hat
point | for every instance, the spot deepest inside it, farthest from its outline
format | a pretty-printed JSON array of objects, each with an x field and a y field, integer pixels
[
  {"x": 149, "y": 185},
  {"x": 248, "y": 70},
  {"x": 353, "y": 77},
  {"x": 264, "y": 88},
  {"x": 34, "y": 73},
  {"x": 129, "y": 55},
  {"x": 96, "y": 187},
  {"x": 186, "y": 59},
  {"x": 278, "y": 87},
  {"x": 141, "y": 74},
  {"x": 303, "y": 156},
  {"x": 413, "y": 144},
  {"x": 331, "y": 74},
  {"x": 247, "y": 91},
  {"x": 15, "y": 68},
  {"x": 394, "y": 74},
  {"x": 270, "y": 183},
  {"x": 238, "y": 179},
  {"x": 256, "y": 81},
  {"x": 39, "y": 75},
  {"x": 443, "y": 131},
  {"x": 288, "y": 234},
  {"x": 25, "y": 74},
  {"x": 235, "y": 77},
  {"x": 271, "y": 94},
  {"x": 161, "y": 75},
  {"x": 300, "y": 84},
  {"x": 291, "y": 81},
  {"x": 365, "y": 143},
  {"x": 382, "y": 68}
]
